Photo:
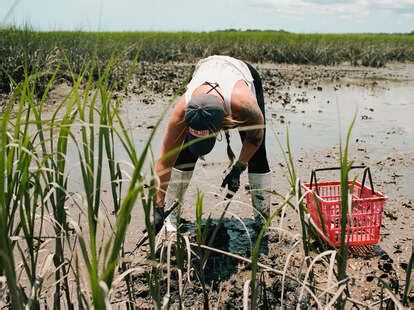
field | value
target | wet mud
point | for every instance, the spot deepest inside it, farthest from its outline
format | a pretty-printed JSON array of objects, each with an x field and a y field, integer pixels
[{"x": 315, "y": 104}]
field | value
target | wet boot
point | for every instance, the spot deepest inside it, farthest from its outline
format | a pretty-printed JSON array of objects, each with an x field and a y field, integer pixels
[
  {"x": 177, "y": 187},
  {"x": 260, "y": 185}
]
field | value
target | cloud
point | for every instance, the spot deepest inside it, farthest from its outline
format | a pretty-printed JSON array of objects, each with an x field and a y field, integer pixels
[
  {"x": 340, "y": 7},
  {"x": 297, "y": 7},
  {"x": 397, "y": 7},
  {"x": 341, "y": 15},
  {"x": 328, "y": 2}
]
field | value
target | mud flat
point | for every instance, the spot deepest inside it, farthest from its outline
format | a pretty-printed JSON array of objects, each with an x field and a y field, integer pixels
[{"x": 315, "y": 104}]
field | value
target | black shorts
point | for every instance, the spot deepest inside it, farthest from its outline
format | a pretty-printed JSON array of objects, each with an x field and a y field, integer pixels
[{"x": 258, "y": 163}]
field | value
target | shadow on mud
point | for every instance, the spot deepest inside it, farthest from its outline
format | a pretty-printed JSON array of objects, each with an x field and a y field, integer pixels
[{"x": 233, "y": 237}]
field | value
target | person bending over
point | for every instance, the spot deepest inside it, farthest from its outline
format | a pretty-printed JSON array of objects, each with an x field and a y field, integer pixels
[{"x": 223, "y": 93}]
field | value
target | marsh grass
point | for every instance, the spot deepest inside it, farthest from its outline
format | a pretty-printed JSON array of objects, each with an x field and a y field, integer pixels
[
  {"x": 27, "y": 51},
  {"x": 255, "y": 255},
  {"x": 34, "y": 152},
  {"x": 205, "y": 235},
  {"x": 409, "y": 282},
  {"x": 89, "y": 243},
  {"x": 345, "y": 165},
  {"x": 35, "y": 180},
  {"x": 8, "y": 208},
  {"x": 308, "y": 230}
]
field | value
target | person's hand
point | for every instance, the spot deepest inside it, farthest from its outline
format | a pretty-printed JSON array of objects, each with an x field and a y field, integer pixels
[{"x": 232, "y": 179}]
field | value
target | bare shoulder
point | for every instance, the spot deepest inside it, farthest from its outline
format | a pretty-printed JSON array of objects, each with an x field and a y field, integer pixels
[{"x": 244, "y": 104}]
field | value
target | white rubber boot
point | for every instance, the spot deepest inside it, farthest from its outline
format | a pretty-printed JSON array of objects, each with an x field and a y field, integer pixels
[
  {"x": 260, "y": 185},
  {"x": 177, "y": 187}
]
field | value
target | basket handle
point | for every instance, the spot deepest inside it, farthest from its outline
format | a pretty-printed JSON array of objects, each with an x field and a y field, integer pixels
[{"x": 367, "y": 172}]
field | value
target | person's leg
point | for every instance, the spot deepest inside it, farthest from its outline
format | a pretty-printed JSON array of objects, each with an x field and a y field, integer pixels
[
  {"x": 186, "y": 160},
  {"x": 180, "y": 179},
  {"x": 258, "y": 166}
]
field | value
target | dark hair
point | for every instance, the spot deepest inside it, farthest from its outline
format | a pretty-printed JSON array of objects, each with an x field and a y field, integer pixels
[{"x": 230, "y": 122}]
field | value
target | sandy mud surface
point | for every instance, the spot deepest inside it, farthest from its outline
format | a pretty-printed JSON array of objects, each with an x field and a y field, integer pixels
[{"x": 316, "y": 105}]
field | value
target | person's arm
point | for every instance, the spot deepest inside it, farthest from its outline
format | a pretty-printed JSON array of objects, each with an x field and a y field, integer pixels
[
  {"x": 250, "y": 115},
  {"x": 248, "y": 112},
  {"x": 173, "y": 138}
]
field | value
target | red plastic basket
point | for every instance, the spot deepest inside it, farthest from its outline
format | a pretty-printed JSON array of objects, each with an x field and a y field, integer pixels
[{"x": 364, "y": 220}]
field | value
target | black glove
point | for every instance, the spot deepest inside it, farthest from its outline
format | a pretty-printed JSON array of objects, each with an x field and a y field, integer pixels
[
  {"x": 159, "y": 217},
  {"x": 232, "y": 179}
]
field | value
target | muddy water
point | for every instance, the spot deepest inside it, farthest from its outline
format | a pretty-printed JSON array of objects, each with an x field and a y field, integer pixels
[
  {"x": 316, "y": 116},
  {"x": 385, "y": 116},
  {"x": 384, "y": 120}
]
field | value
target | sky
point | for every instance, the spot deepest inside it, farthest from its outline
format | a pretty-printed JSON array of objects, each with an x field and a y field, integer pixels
[{"x": 302, "y": 16}]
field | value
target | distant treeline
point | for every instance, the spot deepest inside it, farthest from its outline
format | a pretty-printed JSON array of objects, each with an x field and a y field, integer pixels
[
  {"x": 285, "y": 31},
  {"x": 24, "y": 51}
]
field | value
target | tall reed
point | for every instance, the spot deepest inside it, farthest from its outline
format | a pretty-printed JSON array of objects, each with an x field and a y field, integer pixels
[
  {"x": 201, "y": 238},
  {"x": 409, "y": 282},
  {"x": 91, "y": 153},
  {"x": 256, "y": 252},
  {"x": 345, "y": 165},
  {"x": 29, "y": 183},
  {"x": 308, "y": 231},
  {"x": 8, "y": 206}
]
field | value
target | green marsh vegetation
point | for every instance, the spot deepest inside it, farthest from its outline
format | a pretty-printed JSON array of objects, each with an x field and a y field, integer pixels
[
  {"x": 25, "y": 50},
  {"x": 51, "y": 239}
]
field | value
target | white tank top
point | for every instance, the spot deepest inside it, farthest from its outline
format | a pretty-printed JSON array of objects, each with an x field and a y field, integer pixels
[{"x": 223, "y": 70}]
